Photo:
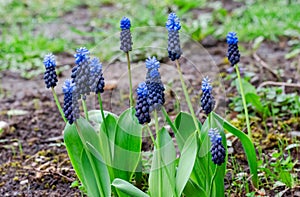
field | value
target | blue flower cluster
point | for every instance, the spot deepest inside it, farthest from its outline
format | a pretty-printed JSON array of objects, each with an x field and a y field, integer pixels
[
  {"x": 217, "y": 149},
  {"x": 50, "y": 76},
  {"x": 125, "y": 35},
  {"x": 173, "y": 22},
  {"x": 156, "y": 97},
  {"x": 87, "y": 77},
  {"x": 233, "y": 53},
  {"x": 207, "y": 99},
  {"x": 173, "y": 26},
  {"x": 142, "y": 106},
  {"x": 154, "y": 87},
  {"x": 125, "y": 23},
  {"x": 68, "y": 90},
  {"x": 96, "y": 79}
]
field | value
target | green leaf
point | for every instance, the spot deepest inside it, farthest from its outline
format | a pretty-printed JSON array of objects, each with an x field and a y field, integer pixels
[
  {"x": 247, "y": 145},
  {"x": 93, "y": 162},
  {"x": 186, "y": 163},
  {"x": 162, "y": 174},
  {"x": 74, "y": 148},
  {"x": 128, "y": 144},
  {"x": 127, "y": 188},
  {"x": 193, "y": 190},
  {"x": 87, "y": 166},
  {"x": 96, "y": 116},
  {"x": 254, "y": 99},
  {"x": 185, "y": 125},
  {"x": 247, "y": 87},
  {"x": 287, "y": 178},
  {"x": 89, "y": 175}
]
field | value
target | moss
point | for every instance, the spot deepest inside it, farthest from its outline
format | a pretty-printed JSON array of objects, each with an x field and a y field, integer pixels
[
  {"x": 16, "y": 178},
  {"x": 53, "y": 187}
]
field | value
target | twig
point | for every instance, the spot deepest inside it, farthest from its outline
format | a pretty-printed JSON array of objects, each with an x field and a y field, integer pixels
[
  {"x": 274, "y": 83},
  {"x": 265, "y": 65}
]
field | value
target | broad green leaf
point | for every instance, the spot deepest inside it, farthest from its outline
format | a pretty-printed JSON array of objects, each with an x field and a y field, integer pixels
[
  {"x": 107, "y": 139},
  {"x": 127, "y": 188},
  {"x": 89, "y": 176},
  {"x": 74, "y": 148},
  {"x": 247, "y": 145},
  {"x": 96, "y": 116},
  {"x": 193, "y": 190},
  {"x": 254, "y": 99},
  {"x": 162, "y": 174},
  {"x": 96, "y": 163},
  {"x": 128, "y": 144},
  {"x": 185, "y": 126},
  {"x": 247, "y": 87},
  {"x": 186, "y": 162}
]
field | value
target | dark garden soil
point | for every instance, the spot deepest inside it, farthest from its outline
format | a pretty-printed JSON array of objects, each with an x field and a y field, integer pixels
[{"x": 33, "y": 158}]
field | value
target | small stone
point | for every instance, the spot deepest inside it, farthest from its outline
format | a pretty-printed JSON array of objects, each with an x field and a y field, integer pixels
[{"x": 24, "y": 182}]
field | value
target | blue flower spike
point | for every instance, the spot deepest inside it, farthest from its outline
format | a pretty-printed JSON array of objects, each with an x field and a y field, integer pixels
[
  {"x": 125, "y": 35},
  {"x": 207, "y": 99},
  {"x": 50, "y": 76},
  {"x": 69, "y": 104},
  {"x": 156, "y": 96},
  {"x": 217, "y": 149},
  {"x": 81, "y": 73},
  {"x": 96, "y": 79},
  {"x": 142, "y": 106},
  {"x": 173, "y": 26},
  {"x": 233, "y": 53}
]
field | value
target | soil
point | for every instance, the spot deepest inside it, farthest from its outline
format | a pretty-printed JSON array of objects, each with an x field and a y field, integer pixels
[{"x": 33, "y": 158}]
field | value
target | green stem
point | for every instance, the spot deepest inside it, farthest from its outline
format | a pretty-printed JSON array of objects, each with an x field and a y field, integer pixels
[
  {"x": 58, "y": 104},
  {"x": 101, "y": 109},
  {"x": 96, "y": 175},
  {"x": 168, "y": 119},
  {"x": 244, "y": 101},
  {"x": 187, "y": 98},
  {"x": 85, "y": 108},
  {"x": 104, "y": 121},
  {"x": 130, "y": 80},
  {"x": 212, "y": 180}
]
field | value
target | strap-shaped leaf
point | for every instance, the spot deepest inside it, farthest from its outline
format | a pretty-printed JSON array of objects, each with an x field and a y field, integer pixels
[
  {"x": 186, "y": 162},
  {"x": 162, "y": 175},
  {"x": 125, "y": 189},
  {"x": 128, "y": 143},
  {"x": 185, "y": 126},
  {"x": 247, "y": 145}
]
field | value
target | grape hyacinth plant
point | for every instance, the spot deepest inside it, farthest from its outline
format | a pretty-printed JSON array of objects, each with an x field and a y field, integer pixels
[
  {"x": 233, "y": 56},
  {"x": 126, "y": 46},
  {"x": 105, "y": 149},
  {"x": 173, "y": 26},
  {"x": 50, "y": 78}
]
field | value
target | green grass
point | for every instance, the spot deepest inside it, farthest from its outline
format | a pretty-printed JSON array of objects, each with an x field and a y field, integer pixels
[{"x": 270, "y": 19}]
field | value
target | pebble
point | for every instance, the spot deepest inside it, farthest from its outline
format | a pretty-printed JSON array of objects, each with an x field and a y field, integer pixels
[
  {"x": 4, "y": 128},
  {"x": 24, "y": 182}
]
